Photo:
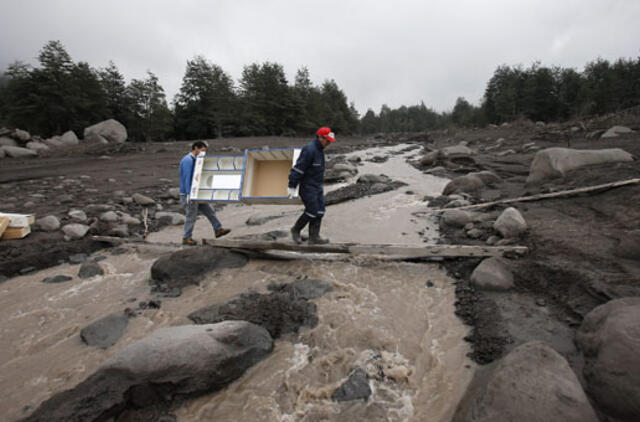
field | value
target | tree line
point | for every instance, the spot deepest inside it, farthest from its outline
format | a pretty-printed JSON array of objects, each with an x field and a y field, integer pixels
[{"x": 60, "y": 94}]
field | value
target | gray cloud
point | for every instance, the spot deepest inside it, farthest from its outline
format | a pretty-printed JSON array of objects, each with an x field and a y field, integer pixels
[{"x": 399, "y": 52}]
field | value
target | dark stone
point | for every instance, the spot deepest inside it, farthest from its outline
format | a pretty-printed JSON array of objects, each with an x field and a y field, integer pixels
[
  {"x": 355, "y": 388},
  {"x": 189, "y": 266},
  {"x": 27, "y": 270},
  {"x": 105, "y": 332},
  {"x": 90, "y": 269},
  {"x": 99, "y": 258},
  {"x": 278, "y": 312},
  {"x": 77, "y": 258},
  {"x": 430, "y": 283},
  {"x": 57, "y": 279},
  {"x": 361, "y": 189},
  {"x": 152, "y": 304}
]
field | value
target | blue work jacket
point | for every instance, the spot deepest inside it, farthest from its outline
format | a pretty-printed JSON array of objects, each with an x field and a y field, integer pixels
[{"x": 308, "y": 171}]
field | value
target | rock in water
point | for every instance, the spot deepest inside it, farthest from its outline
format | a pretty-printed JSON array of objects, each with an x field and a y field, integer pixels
[
  {"x": 109, "y": 131},
  {"x": 510, "y": 223},
  {"x": 180, "y": 361},
  {"x": 356, "y": 387},
  {"x": 90, "y": 269},
  {"x": 189, "y": 266},
  {"x": 552, "y": 163},
  {"x": 609, "y": 338},
  {"x": 492, "y": 274},
  {"x": 533, "y": 383},
  {"x": 105, "y": 332}
]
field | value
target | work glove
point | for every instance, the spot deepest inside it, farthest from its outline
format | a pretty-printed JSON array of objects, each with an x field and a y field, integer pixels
[{"x": 291, "y": 192}]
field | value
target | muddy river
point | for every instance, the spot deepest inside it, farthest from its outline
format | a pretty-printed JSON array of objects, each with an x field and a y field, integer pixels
[{"x": 394, "y": 320}]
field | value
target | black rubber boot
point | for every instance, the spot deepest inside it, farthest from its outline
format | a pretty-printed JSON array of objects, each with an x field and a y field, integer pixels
[
  {"x": 314, "y": 233},
  {"x": 295, "y": 230}
]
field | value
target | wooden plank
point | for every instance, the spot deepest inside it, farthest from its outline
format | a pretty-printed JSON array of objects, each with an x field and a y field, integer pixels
[
  {"x": 560, "y": 194},
  {"x": 19, "y": 220},
  {"x": 4, "y": 223},
  {"x": 407, "y": 251},
  {"x": 16, "y": 232}
]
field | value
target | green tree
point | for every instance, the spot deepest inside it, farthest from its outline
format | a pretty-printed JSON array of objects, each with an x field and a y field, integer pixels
[
  {"x": 115, "y": 90},
  {"x": 206, "y": 105},
  {"x": 151, "y": 117}
]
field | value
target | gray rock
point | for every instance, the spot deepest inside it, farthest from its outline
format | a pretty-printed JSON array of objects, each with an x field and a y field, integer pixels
[
  {"x": 459, "y": 150},
  {"x": 174, "y": 218},
  {"x": 489, "y": 178},
  {"x": 22, "y": 135},
  {"x": 140, "y": 199},
  {"x": 37, "y": 146},
  {"x": 90, "y": 269},
  {"x": 110, "y": 130},
  {"x": 7, "y": 142},
  {"x": 94, "y": 208},
  {"x": 553, "y": 163},
  {"x": 430, "y": 158},
  {"x": 69, "y": 138},
  {"x": 53, "y": 142},
  {"x": 119, "y": 193},
  {"x": 533, "y": 383},
  {"x": 492, "y": 240},
  {"x": 188, "y": 266},
  {"x": 474, "y": 233},
  {"x": 77, "y": 215},
  {"x": 57, "y": 279},
  {"x": 75, "y": 230},
  {"x": 616, "y": 131},
  {"x": 186, "y": 360},
  {"x": 49, "y": 223},
  {"x": 78, "y": 258},
  {"x": 105, "y": 332},
  {"x": 129, "y": 220},
  {"x": 355, "y": 388},
  {"x": 610, "y": 341},
  {"x": 457, "y": 203},
  {"x": 510, "y": 223},
  {"x": 119, "y": 230},
  {"x": 18, "y": 152},
  {"x": 373, "y": 178},
  {"x": 457, "y": 218},
  {"x": 174, "y": 193},
  {"x": 629, "y": 246},
  {"x": 110, "y": 217},
  {"x": 492, "y": 274},
  {"x": 468, "y": 183}
]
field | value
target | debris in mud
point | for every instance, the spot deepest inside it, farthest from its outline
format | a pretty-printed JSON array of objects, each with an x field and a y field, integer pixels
[
  {"x": 90, "y": 269},
  {"x": 57, "y": 279},
  {"x": 189, "y": 266},
  {"x": 188, "y": 361},
  {"x": 284, "y": 310},
  {"x": 105, "y": 332},
  {"x": 366, "y": 185},
  {"x": 355, "y": 388}
]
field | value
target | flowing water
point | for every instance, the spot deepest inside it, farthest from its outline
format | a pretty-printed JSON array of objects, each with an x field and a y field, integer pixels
[{"x": 394, "y": 320}]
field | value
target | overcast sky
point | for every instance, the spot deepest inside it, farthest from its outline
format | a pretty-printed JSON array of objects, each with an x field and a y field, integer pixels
[{"x": 392, "y": 52}]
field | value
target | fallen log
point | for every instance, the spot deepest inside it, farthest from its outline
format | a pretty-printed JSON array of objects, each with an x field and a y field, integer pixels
[{"x": 537, "y": 197}]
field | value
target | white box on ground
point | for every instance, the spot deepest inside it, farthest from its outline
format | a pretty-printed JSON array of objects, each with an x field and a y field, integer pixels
[{"x": 259, "y": 176}]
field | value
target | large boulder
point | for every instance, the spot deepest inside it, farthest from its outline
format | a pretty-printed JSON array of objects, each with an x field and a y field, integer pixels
[
  {"x": 609, "y": 338},
  {"x": 510, "y": 223},
  {"x": 172, "y": 362},
  {"x": 552, "y": 163},
  {"x": 469, "y": 183},
  {"x": 37, "y": 146},
  {"x": 7, "y": 142},
  {"x": 108, "y": 131},
  {"x": 18, "y": 152},
  {"x": 69, "y": 138},
  {"x": 533, "y": 383},
  {"x": 615, "y": 131},
  {"x": 492, "y": 274},
  {"x": 189, "y": 266}
]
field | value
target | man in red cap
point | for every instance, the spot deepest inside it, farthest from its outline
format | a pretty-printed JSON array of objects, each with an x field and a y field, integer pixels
[{"x": 308, "y": 172}]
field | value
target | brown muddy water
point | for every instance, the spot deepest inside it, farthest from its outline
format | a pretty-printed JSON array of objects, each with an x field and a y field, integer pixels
[{"x": 381, "y": 316}]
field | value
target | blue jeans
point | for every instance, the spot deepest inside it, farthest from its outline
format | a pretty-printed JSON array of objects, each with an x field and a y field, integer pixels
[{"x": 191, "y": 210}]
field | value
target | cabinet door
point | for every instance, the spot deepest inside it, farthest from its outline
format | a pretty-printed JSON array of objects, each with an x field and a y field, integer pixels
[
  {"x": 266, "y": 176},
  {"x": 217, "y": 178}
]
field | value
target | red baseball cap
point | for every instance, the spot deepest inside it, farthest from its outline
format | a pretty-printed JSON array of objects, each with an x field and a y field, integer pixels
[{"x": 326, "y": 132}]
